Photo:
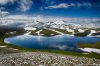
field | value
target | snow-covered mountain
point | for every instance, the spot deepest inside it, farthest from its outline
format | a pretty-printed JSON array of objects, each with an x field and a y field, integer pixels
[{"x": 43, "y": 21}]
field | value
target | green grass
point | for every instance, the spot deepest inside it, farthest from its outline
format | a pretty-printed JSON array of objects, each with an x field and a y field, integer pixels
[
  {"x": 47, "y": 32},
  {"x": 63, "y": 31},
  {"x": 97, "y": 45}
]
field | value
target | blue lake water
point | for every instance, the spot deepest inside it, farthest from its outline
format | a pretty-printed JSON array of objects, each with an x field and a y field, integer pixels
[{"x": 61, "y": 42}]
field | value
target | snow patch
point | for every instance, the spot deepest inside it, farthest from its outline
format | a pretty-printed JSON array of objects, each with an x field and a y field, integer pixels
[
  {"x": 90, "y": 50},
  {"x": 70, "y": 30},
  {"x": 29, "y": 28},
  {"x": 3, "y": 46},
  {"x": 91, "y": 32},
  {"x": 27, "y": 33},
  {"x": 80, "y": 30}
]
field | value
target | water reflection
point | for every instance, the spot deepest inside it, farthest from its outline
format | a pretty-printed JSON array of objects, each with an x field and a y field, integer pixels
[{"x": 61, "y": 42}]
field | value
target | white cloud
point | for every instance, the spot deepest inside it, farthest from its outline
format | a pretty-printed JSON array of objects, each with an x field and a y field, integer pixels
[
  {"x": 3, "y": 13},
  {"x": 53, "y": 19},
  {"x": 62, "y": 5},
  {"x": 18, "y": 17},
  {"x": 25, "y": 5},
  {"x": 84, "y": 4},
  {"x": 68, "y": 5},
  {"x": 87, "y": 5},
  {"x": 79, "y": 22},
  {"x": 3, "y": 2}
]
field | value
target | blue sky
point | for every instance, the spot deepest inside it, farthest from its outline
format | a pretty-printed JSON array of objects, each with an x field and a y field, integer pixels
[{"x": 66, "y": 8}]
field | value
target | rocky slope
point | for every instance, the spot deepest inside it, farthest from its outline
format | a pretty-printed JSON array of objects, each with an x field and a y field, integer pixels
[{"x": 45, "y": 59}]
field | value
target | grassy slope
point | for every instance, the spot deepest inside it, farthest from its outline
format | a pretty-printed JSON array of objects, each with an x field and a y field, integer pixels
[
  {"x": 34, "y": 32},
  {"x": 47, "y": 32},
  {"x": 63, "y": 31},
  {"x": 82, "y": 34},
  {"x": 97, "y": 45}
]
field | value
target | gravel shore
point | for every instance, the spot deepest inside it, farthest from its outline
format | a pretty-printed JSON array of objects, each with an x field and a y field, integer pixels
[{"x": 45, "y": 59}]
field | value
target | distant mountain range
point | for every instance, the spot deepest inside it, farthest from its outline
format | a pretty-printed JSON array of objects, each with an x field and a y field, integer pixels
[{"x": 25, "y": 21}]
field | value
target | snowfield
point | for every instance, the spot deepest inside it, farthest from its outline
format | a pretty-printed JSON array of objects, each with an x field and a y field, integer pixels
[
  {"x": 29, "y": 28},
  {"x": 90, "y": 50}
]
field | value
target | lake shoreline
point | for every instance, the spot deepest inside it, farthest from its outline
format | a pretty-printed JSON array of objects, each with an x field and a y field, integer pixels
[{"x": 21, "y": 49}]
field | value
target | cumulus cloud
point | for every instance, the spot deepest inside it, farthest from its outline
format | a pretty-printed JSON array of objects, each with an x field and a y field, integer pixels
[
  {"x": 25, "y": 5},
  {"x": 3, "y": 2}
]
